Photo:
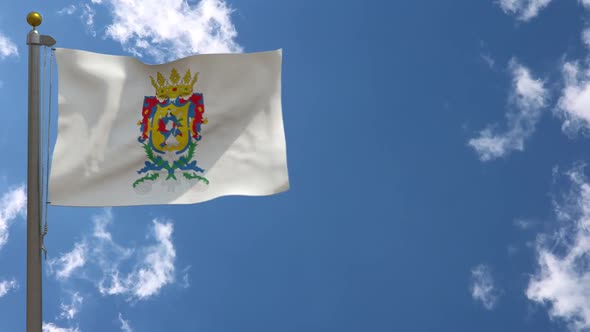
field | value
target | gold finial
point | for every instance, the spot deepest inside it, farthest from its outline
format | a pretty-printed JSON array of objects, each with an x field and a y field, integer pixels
[{"x": 34, "y": 19}]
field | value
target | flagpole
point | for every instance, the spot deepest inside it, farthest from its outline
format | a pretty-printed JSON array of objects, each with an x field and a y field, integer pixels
[{"x": 34, "y": 291}]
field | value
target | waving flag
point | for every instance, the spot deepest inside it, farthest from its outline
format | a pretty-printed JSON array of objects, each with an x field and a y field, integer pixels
[{"x": 182, "y": 132}]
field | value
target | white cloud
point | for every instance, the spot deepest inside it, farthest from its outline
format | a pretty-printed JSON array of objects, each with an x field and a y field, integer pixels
[
  {"x": 7, "y": 47},
  {"x": 488, "y": 60},
  {"x": 50, "y": 327},
  {"x": 524, "y": 224},
  {"x": 527, "y": 99},
  {"x": 7, "y": 285},
  {"x": 68, "y": 263},
  {"x": 574, "y": 104},
  {"x": 69, "y": 311},
  {"x": 100, "y": 226},
  {"x": 100, "y": 250},
  {"x": 125, "y": 327},
  {"x": 106, "y": 253},
  {"x": 12, "y": 204},
  {"x": 490, "y": 146},
  {"x": 181, "y": 28},
  {"x": 586, "y": 37},
  {"x": 87, "y": 17},
  {"x": 86, "y": 14},
  {"x": 153, "y": 268},
  {"x": 482, "y": 286},
  {"x": 523, "y": 9},
  {"x": 153, "y": 272},
  {"x": 185, "y": 280},
  {"x": 512, "y": 250},
  {"x": 157, "y": 269},
  {"x": 69, "y": 10},
  {"x": 113, "y": 286},
  {"x": 563, "y": 279}
]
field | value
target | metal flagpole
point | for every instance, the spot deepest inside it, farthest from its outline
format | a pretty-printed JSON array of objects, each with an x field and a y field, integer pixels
[{"x": 34, "y": 303}]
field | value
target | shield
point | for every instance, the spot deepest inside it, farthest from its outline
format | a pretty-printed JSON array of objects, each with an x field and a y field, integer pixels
[{"x": 169, "y": 129}]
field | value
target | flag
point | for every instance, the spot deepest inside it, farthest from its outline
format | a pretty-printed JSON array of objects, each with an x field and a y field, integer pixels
[{"x": 182, "y": 132}]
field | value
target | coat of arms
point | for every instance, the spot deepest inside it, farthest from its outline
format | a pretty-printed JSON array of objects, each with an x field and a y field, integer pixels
[{"x": 170, "y": 131}]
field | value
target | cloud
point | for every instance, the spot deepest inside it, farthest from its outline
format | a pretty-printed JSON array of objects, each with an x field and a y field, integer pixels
[
  {"x": 125, "y": 327},
  {"x": 488, "y": 60},
  {"x": 69, "y": 311},
  {"x": 69, "y": 10},
  {"x": 482, "y": 286},
  {"x": 563, "y": 280},
  {"x": 586, "y": 37},
  {"x": 524, "y": 10},
  {"x": 68, "y": 263},
  {"x": 512, "y": 250},
  {"x": 50, "y": 327},
  {"x": 86, "y": 14},
  {"x": 99, "y": 250},
  {"x": 185, "y": 280},
  {"x": 527, "y": 99},
  {"x": 7, "y": 285},
  {"x": 87, "y": 17},
  {"x": 106, "y": 252},
  {"x": 574, "y": 104},
  {"x": 525, "y": 224},
  {"x": 12, "y": 204},
  {"x": 7, "y": 47},
  {"x": 575, "y": 97},
  {"x": 101, "y": 222},
  {"x": 182, "y": 28},
  {"x": 154, "y": 271},
  {"x": 157, "y": 269},
  {"x": 152, "y": 265}
]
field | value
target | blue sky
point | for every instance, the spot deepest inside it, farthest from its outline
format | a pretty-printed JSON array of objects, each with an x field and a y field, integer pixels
[{"x": 437, "y": 156}]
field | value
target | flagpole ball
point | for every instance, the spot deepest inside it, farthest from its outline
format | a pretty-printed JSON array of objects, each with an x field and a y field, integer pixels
[{"x": 34, "y": 19}]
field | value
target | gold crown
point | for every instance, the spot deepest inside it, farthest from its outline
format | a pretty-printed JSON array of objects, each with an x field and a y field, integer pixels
[{"x": 173, "y": 87}]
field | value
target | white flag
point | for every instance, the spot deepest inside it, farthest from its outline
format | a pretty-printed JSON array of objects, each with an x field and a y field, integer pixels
[{"x": 182, "y": 132}]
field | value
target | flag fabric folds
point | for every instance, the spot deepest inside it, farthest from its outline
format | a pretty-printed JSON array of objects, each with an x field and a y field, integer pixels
[{"x": 183, "y": 132}]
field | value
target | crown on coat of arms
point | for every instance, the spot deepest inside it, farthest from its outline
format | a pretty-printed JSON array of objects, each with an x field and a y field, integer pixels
[{"x": 173, "y": 87}]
